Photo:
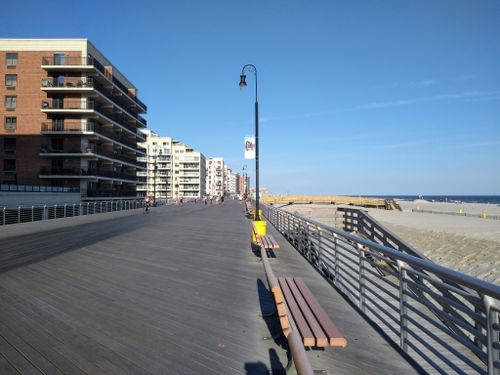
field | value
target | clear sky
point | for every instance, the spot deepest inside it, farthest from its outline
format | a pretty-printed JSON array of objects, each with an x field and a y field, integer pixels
[{"x": 356, "y": 97}]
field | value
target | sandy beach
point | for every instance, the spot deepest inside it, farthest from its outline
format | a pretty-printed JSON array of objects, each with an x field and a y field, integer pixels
[{"x": 466, "y": 244}]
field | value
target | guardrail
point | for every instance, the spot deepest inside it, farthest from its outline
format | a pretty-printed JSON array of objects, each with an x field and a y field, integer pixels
[
  {"x": 25, "y": 214},
  {"x": 38, "y": 188},
  {"x": 447, "y": 321}
]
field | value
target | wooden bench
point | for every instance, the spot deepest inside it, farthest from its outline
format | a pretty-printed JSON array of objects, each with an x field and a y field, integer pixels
[
  {"x": 312, "y": 321},
  {"x": 266, "y": 242},
  {"x": 303, "y": 321}
]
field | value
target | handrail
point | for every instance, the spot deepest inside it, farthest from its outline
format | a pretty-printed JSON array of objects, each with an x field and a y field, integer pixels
[
  {"x": 24, "y": 214},
  {"x": 446, "y": 320}
]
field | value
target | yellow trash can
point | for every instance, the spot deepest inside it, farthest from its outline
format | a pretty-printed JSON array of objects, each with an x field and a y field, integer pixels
[{"x": 260, "y": 226}]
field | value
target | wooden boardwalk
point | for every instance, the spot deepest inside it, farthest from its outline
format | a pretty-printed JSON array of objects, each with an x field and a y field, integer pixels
[{"x": 176, "y": 291}]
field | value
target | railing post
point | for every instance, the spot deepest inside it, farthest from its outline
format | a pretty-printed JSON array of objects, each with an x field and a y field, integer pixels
[
  {"x": 403, "y": 310},
  {"x": 45, "y": 214},
  {"x": 18, "y": 214},
  {"x": 3, "y": 215},
  {"x": 361, "y": 278},
  {"x": 32, "y": 213},
  {"x": 64, "y": 209},
  {"x": 74, "y": 205},
  {"x": 320, "y": 248},
  {"x": 336, "y": 255},
  {"x": 492, "y": 308}
]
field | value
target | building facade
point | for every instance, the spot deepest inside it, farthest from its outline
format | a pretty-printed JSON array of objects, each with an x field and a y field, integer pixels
[
  {"x": 244, "y": 185},
  {"x": 156, "y": 181},
  {"x": 188, "y": 171},
  {"x": 215, "y": 176},
  {"x": 70, "y": 119}
]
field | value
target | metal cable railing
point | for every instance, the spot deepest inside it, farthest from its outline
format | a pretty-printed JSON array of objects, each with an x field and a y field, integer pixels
[{"x": 447, "y": 321}]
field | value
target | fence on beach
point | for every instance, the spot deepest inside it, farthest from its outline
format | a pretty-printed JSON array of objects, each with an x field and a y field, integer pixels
[{"x": 482, "y": 215}]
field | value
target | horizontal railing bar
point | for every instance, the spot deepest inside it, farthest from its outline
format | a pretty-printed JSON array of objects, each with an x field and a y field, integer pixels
[
  {"x": 447, "y": 331},
  {"x": 444, "y": 344}
]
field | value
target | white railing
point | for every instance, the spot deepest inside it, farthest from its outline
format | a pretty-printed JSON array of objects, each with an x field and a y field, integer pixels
[{"x": 447, "y": 321}]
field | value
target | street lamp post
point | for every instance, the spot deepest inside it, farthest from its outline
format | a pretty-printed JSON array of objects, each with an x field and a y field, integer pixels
[
  {"x": 245, "y": 191},
  {"x": 251, "y": 68}
]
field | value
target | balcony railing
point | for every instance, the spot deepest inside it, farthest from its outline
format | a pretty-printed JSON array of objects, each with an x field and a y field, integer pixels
[
  {"x": 78, "y": 104},
  {"x": 74, "y": 83},
  {"x": 92, "y": 150},
  {"x": 111, "y": 193},
  {"x": 84, "y": 172},
  {"x": 78, "y": 83},
  {"x": 78, "y": 127},
  {"x": 86, "y": 61},
  {"x": 38, "y": 188}
]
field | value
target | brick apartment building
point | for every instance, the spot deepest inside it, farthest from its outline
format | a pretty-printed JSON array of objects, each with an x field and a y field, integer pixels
[{"x": 69, "y": 118}]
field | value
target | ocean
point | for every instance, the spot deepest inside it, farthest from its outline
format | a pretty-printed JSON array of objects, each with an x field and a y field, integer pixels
[{"x": 492, "y": 199}]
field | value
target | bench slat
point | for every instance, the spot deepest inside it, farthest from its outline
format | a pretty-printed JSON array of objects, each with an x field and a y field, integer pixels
[
  {"x": 305, "y": 332},
  {"x": 274, "y": 242},
  {"x": 321, "y": 339},
  {"x": 336, "y": 338}
]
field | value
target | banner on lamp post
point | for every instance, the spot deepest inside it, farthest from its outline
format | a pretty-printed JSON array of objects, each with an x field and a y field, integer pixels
[{"x": 249, "y": 147}]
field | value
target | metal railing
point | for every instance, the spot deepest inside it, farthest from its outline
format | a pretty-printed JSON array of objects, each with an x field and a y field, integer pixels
[
  {"x": 38, "y": 188},
  {"x": 53, "y": 171},
  {"x": 81, "y": 104},
  {"x": 447, "y": 321},
  {"x": 73, "y": 127},
  {"x": 25, "y": 214},
  {"x": 61, "y": 61}
]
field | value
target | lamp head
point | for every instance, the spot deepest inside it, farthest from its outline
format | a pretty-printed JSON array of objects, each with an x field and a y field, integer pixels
[{"x": 243, "y": 83}]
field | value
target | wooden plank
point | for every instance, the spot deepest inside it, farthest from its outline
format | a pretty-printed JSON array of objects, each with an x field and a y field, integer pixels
[
  {"x": 274, "y": 242},
  {"x": 308, "y": 338},
  {"x": 334, "y": 335},
  {"x": 321, "y": 339}
]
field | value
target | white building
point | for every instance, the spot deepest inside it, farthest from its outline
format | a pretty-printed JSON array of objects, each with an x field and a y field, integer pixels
[
  {"x": 233, "y": 182},
  {"x": 188, "y": 171},
  {"x": 157, "y": 180},
  {"x": 215, "y": 176}
]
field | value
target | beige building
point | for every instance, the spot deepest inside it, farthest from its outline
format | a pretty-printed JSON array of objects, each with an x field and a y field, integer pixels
[
  {"x": 215, "y": 176},
  {"x": 69, "y": 118},
  {"x": 157, "y": 180},
  {"x": 188, "y": 171}
]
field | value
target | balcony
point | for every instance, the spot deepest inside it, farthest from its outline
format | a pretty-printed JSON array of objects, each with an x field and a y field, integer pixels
[
  {"x": 78, "y": 85},
  {"x": 110, "y": 193},
  {"x": 89, "y": 151},
  {"x": 58, "y": 63},
  {"x": 85, "y": 173},
  {"x": 87, "y": 128},
  {"x": 83, "y": 107}
]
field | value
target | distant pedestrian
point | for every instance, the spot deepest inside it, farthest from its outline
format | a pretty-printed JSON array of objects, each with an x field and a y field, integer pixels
[
  {"x": 205, "y": 199},
  {"x": 211, "y": 199},
  {"x": 222, "y": 199}
]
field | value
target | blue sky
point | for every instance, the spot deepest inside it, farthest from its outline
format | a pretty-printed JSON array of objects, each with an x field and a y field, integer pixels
[{"x": 356, "y": 97}]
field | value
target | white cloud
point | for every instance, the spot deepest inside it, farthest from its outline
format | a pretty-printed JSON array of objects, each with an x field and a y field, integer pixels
[{"x": 423, "y": 83}]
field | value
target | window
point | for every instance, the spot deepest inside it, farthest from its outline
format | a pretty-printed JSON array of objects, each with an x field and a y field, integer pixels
[
  {"x": 11, "y": 59},
  {"x": 9, "y": 145},
  {"x": 10, "y": 123},
  {"x": 10, "y": 102},
  {"x": 59, "y": 59},
  {"x": 9, "y": 165},
  {"x": 11, "y": 80}
]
